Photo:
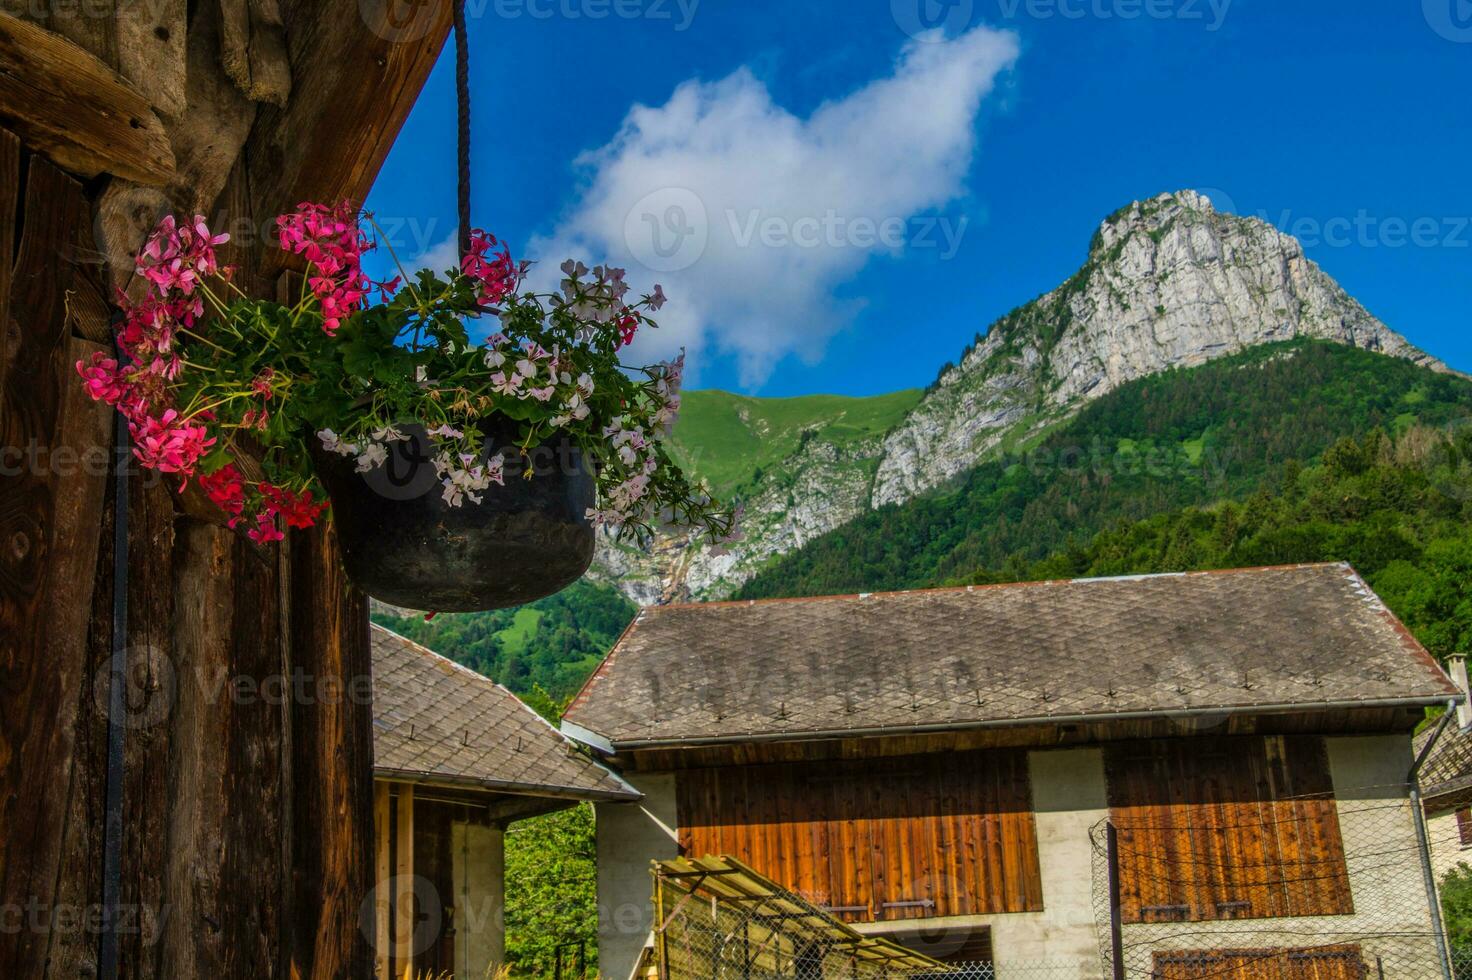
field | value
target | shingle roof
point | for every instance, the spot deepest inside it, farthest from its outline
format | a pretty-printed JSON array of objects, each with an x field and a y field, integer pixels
[
  {"x": 1448, "y": 770},
  {"x": 436, "y": 720},
  {"x": 1307, "y": 635}
]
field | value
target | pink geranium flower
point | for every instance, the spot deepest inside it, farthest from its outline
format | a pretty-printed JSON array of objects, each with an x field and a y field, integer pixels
[
  {"x": 330, "y": 239},
  {"x": 225, "y": 488},
  {"x": 169, "y": 443},
  {"x": 493, "y": 272},
  {"x": 103, "y": 379},
  {"x": 179, "y": 257}
]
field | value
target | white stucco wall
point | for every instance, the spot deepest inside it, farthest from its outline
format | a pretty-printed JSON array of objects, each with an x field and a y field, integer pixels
[
  {"x": 1070, "y": 798},
  {"x": 480, "y": 875},
  {"x": 630, "y": 836}
]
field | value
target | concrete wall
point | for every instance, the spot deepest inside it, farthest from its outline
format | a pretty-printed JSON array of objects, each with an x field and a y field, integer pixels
[
  {"x": 1062, "y": 941},
  {"x": 630, "y": 836},
  {"x": 480, "y": 898},
  {"x": 1447, "y": 849}
]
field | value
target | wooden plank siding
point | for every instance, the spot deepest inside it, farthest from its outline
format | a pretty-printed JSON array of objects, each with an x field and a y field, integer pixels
[
  {"x": 1226, "y": 828},
  {"x": 879, "y": 840},
  {"x": 1320, "y": 963}
]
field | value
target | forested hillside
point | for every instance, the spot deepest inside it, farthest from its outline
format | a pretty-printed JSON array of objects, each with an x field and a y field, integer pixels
[
  {"x": 1399, "y": 511},
  {"x": 542, "y": 651},
  {"x": 1181, "y": 438}
]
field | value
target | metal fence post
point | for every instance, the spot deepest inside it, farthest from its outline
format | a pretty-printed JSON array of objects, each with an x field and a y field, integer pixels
[{"x": 1116, "y": 925}]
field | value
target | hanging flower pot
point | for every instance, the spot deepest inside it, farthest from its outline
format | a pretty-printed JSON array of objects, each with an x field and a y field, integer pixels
[
  {"x": 463, "y": 473},
  {"x": 408, "y": 541}
]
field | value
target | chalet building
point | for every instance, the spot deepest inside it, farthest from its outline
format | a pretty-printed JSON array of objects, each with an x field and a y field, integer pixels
[
  {"x": 944, "y": 768},
  {"x": 1446, "y": 782},
  {"x": 457, "y": 758}
]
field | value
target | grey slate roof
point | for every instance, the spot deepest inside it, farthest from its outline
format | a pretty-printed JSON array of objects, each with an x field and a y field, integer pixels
[
  {"x": 437, "y": 721},
  {"x": 1308, "y": 635}
]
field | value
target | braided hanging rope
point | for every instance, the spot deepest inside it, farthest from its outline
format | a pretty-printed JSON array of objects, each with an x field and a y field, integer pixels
[{"x": 462, "y": 98}]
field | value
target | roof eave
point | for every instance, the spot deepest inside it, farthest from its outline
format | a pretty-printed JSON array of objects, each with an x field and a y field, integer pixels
[
  {"x": 627, "y": 794},
  {"x": 615, "y": 746}
]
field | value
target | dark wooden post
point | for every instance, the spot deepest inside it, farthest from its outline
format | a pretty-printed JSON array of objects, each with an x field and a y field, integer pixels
[{"x": 1116, "y": 927}]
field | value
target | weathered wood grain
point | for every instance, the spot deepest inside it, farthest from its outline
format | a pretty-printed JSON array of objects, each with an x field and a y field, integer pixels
[
  {"x": 150, "y": 51},
  {"x": 65, "y": 103},
  {"x": 49, "y": 509},
  {"x": 257, "y": 874},
  {"x": 153, "y": 689},
  {"x": 199, "y": 899},
  {"x": 253, "y": 49},
  {"x": 1338, "y": 962},
  {"x": 1226, "y": 828},
  {"x": 9, "y": 213},
  {"x": 331, "y": 763}
]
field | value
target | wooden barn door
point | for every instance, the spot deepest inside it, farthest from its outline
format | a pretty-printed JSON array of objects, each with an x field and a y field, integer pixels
[{"x": 876, "y": 840}]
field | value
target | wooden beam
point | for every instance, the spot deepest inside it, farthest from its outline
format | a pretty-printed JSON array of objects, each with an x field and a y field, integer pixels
[
  {"x": 403, "y": 944},
  {"x": 382, "y": 900},
  {"x": 357, "y": 69},
  {"x": 49, "y": 513},
  {"x": 331, "y": 765},
  {"x": 69, "y": 106}
]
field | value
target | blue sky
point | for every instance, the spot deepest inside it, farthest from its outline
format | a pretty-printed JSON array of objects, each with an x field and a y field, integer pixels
[{"x": 988, "y": 150}]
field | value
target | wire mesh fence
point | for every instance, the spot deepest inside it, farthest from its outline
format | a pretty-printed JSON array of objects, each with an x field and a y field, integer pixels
[{"x": 1315, "y": 887}]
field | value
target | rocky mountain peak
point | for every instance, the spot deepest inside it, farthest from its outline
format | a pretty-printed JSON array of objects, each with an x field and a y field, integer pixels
[
  {"x": 1168, "y": 282},
  {"x": 1148, "y": 217}
]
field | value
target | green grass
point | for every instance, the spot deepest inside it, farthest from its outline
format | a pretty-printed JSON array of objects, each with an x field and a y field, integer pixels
[
  {"x": 729, "y": 439},
  {"x": 514, "y": 638}
]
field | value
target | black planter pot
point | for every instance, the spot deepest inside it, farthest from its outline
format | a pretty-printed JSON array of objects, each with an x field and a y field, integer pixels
[{"x": 404, "y": 544}]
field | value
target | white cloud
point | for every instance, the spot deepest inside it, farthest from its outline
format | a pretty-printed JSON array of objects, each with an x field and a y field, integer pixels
[
  {"x": 751, "y": 217},
  {"x": 440, "y": 256}
]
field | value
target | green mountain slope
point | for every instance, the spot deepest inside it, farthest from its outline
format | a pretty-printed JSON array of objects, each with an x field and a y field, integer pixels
[
  {"x": 734, "y": 440},
  {"x": 1399, "y": 511},
  {"x": 1175, "y": 439}
]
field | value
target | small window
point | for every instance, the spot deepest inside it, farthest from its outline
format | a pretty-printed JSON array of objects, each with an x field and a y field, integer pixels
[{"x": 1464, "y": 826}]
